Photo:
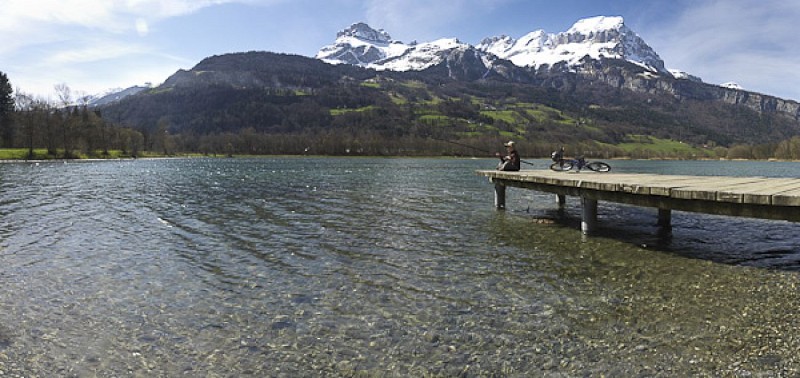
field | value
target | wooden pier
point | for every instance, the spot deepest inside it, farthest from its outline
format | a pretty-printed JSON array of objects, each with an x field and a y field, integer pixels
[{"x": 755, "y": 197}]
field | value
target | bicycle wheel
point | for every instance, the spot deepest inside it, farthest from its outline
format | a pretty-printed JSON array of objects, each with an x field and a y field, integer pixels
[
  {"x": 598, "y": 166},
  {"x": 561, "y": 166}
]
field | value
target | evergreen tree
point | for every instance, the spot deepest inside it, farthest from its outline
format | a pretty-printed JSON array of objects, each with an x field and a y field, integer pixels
[{"x": 6, "y": 110}]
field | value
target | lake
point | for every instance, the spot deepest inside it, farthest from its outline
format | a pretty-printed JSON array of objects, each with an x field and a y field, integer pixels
[{"x": 291, "y": 267}]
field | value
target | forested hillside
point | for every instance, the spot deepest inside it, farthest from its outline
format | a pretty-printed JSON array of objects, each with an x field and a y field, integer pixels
[{"x": 264, "y": 103}]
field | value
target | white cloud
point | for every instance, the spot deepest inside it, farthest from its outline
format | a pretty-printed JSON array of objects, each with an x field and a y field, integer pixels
[
  {"x": 142, "y": 27},
  {"x": 16, "y": 13},
  {"x": 53, "y": 41},
  {"x": 93, "y": 52},
  {"x": 751, "y": 42},
  {"x": 114, "y": 16}
]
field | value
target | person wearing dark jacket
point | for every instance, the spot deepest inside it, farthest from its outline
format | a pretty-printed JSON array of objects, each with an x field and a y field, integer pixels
[{"x": 510, "y": 161}]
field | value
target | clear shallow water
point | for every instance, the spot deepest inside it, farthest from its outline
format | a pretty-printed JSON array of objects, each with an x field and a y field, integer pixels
[{"x": 378, "y": 267}]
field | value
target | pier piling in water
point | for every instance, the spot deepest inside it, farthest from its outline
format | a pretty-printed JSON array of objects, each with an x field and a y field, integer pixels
[
  {"x": 589, "y": 215},
  {"x": 754, "y": 197},
  {"x": 499, "y": 196}
]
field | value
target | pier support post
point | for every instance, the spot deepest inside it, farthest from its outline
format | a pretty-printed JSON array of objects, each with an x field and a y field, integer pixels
[
  {"x": 589, "y": 218},
  {"x": 665, "y": 217},
  {"x": 499, "y": 195},
  {"x": 561, "y": 200}
]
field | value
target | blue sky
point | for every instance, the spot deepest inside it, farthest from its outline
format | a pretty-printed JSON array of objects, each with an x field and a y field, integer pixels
[{"x": 94, "y": 45}]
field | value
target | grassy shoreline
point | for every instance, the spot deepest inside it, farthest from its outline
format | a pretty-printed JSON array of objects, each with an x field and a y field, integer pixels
[
  {"x": 41, "y": 155},
  {"x": 20, "y": 155}
]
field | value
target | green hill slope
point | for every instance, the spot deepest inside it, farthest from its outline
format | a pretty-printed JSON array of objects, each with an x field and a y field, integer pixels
[{"x": 274, "y": 103}]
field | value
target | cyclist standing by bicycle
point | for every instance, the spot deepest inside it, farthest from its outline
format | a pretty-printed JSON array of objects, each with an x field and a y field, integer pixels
[
  {"x": 510, "y": 161},
  {"x": 558, "y": 156}
]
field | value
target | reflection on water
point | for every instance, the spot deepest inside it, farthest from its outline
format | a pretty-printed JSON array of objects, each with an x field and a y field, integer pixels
[{"x": 340, "y": 267}]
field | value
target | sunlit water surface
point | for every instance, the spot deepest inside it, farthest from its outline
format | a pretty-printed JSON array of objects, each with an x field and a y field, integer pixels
[{"x": 378, "y": 267}]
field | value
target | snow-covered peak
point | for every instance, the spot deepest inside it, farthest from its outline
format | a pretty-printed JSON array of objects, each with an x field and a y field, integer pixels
[
  {"x": 496, "y": 45},
  {"x": 420, "y": 56},
  {"x": 364, "y": 32},
  {"x": 364, "y": 46},
  {"x": 597, "y": 37},
  {"x": 521, "y": 52},
  {"x": 443, "y": 44},
  {"x": 538, "y": 37},
  {"x": 595, "y": 24},
  {"x": 116, "y": 94},
  {"x": 361, "y": 45}
]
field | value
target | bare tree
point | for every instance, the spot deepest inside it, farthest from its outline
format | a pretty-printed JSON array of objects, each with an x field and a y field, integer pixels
[
  {"x": 83, "y": 98},
  {"x": 64, "y": 94},
  {"x": 32, "y": 113}
]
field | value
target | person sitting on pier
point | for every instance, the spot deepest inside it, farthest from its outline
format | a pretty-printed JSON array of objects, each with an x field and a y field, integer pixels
[{"x": 511, "y": 161}]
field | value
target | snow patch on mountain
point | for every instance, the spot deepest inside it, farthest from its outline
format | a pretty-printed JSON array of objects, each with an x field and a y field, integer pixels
[
  {"x": 116, "y": 94},
  {"x": 683, "y": 75},
  {"x": 588, "y": 26},
  {"x": 420, "y": 56},
  {"x": 731, "y": 85},
  {"x": 523, "y": 52}
]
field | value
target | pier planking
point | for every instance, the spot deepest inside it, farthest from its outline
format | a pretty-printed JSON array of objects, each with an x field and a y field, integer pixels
[{"x": 757, "y": 197}]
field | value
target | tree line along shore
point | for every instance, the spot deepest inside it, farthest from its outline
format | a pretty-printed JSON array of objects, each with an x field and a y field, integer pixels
[{"x": 33, "y": 128}]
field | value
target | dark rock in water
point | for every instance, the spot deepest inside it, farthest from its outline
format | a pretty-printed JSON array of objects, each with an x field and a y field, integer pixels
[
  {"x": 5, "y": 338},
  {"x": 282, "y": 324},
  {"x": 298, "y": 298}
]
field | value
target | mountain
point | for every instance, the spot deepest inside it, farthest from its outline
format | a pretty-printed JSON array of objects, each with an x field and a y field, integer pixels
[
  {"x": 606, "y": 88},
  {"x": 597, "y": 38},
  {"x": 260, "y": 70},
  {"x": 581, "y": 50},
  {"x": 361, "y": 45},
  {"x": 115, "y": 95},
  {"x": 364, "y": 46}
]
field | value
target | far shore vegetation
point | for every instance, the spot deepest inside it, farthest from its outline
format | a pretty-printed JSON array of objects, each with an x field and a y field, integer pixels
[
  {"x": 645, "y": 148},
  {"x": 33, "y": 128}
]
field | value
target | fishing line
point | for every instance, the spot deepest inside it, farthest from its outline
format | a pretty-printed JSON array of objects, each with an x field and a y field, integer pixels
[{"x": 475, "y": 148}]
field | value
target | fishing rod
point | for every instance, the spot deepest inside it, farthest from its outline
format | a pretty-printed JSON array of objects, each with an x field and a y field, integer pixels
[
  {"x": 464, "y": 145},
  {"x": 475, "y": 148}
]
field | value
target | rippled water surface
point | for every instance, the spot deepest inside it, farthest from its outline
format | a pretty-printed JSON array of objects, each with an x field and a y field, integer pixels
[{"x": 378, "y": 267}]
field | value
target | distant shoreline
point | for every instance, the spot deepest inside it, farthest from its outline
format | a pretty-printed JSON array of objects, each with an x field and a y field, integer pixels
[{"x": 88, "y": 160}]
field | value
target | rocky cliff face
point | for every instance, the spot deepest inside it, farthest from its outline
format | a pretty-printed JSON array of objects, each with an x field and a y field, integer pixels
[
  {"x": 758, "y": 102},
  {"x": 636, "y": 79}
]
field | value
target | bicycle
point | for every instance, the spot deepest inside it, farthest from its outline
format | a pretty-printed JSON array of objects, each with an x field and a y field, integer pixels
[{"x": 562, "y": 164}]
